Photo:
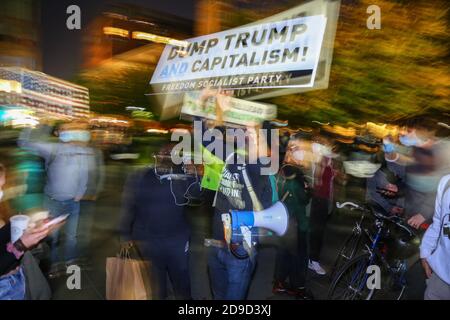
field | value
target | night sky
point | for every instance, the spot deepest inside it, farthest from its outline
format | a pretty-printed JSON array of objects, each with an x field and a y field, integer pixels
[{"x": 61, "y": 47}]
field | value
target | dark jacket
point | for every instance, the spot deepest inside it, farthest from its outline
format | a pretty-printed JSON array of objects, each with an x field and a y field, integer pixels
[
  {"x": 390, "y": 172},
  {"x": 233, "y": 193},
  {"x": 7, "y": 260},
  {"x": 149, "y": 208}
]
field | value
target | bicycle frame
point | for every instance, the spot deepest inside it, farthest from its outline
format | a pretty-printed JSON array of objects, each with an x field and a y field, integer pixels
[{"x": 375, "y": 253}]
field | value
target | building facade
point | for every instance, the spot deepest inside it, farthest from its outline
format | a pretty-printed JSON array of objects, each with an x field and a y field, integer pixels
[{"x": 44, "y": 94}]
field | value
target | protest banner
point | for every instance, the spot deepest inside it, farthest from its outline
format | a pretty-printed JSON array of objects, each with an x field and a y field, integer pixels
[{"x": 258, "y": 56}]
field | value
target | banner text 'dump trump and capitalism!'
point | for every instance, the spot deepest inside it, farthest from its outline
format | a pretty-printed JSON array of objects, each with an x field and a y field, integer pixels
[{"x": 257, "y": 56}]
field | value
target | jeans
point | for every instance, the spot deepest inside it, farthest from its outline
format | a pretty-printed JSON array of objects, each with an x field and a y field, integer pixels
[
  {"x": 230, "y": 277},
  {"x": 12, "y": 287},
  {"x": 168, "y": 256},
  {"x": 67, "y": 233},
  {"x": 85, "y": 227}
]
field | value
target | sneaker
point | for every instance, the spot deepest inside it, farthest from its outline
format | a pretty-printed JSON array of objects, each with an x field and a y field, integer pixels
[
  {"x": 301, "y": 294},
  {"x": 316, "y": 267},
  {"x": 279, "y": 288}
]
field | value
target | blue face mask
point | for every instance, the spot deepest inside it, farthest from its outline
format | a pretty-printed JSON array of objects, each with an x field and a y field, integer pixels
[
  {"x": 409, "y": 141},
  {"x": 65, "y": 136},
  {"x": 75, "y": 135},
  {"x": 388, "y": 147}
]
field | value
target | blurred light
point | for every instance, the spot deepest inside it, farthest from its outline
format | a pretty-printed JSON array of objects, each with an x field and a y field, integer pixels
[
  {"x": 135, "y": 108},
  {"x": 159, "y": 39},
  {"x": 109, "y": 120},
  {"x": 381, "y": 130},
  {"x": 19, "y": 118},
  {"x": 142, "y": 114},
  {"x": 10, "y": 86},
  {"x": 24, "y": 122},
  {"x": 346, "y": 132},
  {"x": 113, "y": 31},
  {"x": 158, "y": 131},
  {"x": 179, "y": 131},
  {"x": 142, "y": 22},
  {"x": 116, "y": 15},
  {"x": 125, "y": 156}
]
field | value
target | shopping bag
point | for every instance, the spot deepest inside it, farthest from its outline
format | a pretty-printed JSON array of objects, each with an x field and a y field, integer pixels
[{"x": 127, "y": 278}]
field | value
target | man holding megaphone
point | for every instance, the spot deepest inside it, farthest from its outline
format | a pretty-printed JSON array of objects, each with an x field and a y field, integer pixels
[{"x": 243, "y": 203}]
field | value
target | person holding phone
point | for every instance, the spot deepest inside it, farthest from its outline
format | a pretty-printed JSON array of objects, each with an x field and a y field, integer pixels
[
  {"x": 384, "y": 189},
  {"x": 12, "y": 277}
]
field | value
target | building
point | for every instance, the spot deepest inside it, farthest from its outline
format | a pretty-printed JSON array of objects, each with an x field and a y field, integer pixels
[
  {"x": 123, "y": 27},
  {"x": 121, "y": 48},
  {"x": 41, "y": 93},
  {"x": 20, "y": 27}
]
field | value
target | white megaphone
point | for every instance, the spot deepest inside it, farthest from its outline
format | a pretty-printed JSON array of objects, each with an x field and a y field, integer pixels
[{"x": 274, "y": 218}]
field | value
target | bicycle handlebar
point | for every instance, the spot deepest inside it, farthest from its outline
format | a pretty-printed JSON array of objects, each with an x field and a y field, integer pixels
[
  {"x": 348, "y": 203},
  {"x": 376, "y": 214},
  {"x": 401, "y": 224}
]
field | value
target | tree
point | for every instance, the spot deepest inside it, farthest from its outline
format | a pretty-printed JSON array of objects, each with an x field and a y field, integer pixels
[{"x": 397, "y": 71}]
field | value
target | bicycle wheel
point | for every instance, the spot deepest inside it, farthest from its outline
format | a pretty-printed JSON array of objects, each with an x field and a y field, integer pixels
[
  {"x": 347, "y": 252},
  {"x": 350, "y": 282}
]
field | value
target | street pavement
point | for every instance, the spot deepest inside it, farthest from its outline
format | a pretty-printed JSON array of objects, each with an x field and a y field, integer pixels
[{"x": 105, "y": 243}]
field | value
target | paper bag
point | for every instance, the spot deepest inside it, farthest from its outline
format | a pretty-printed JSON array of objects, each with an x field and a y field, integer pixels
[{"x": 126, "y": 278}]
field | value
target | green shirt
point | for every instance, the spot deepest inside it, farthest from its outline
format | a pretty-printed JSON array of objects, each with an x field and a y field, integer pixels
[{"x": 296, "y": 201}]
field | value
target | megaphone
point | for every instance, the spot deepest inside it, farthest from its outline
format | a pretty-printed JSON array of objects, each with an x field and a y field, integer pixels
[{"x": 274, "y": 218}]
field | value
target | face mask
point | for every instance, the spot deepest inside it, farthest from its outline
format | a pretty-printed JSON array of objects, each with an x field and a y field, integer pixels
[
  {"x": 410, "y": 140},
  {"x": 321, "y": 150},
  {"x": 64, "y": 136},
  {"x": 299, "y": 155},
  {"x": 388, "y": 147},
  {"x": 316, "y": 148},
  {"x": 326, "y": 151},
  {"x": 1, "y": 195},
  {"x": 75, "y": 135}
]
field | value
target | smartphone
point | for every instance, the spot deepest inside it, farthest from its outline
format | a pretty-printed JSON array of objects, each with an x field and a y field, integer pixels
[{"x": 56, "y": 220}]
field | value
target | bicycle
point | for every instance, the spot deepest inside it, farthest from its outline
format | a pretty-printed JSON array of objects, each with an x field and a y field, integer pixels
[
  {"x": 378, "y": 248},
  {"x": 350, "y": 246}
]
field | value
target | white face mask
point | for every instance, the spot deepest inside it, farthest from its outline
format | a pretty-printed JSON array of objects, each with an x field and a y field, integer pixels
[
  {"x": 298, "y": 155},
  {"x": 316, "y": 148},
  {"x": 1, "y": 195},
  {"x": 321, "y": 150}
]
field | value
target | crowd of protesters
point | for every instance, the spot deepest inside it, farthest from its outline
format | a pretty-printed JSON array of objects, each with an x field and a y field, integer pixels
[{"x": 405, "y": 173}]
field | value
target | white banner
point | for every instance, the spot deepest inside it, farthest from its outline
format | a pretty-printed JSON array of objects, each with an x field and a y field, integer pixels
[{"x": 257, "y": 56}]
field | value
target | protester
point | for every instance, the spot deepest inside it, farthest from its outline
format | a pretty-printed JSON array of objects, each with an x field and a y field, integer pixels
[
  {"x": 422, "y": 174},
  {"x": 230, "y": 276},
  {"x": 12, "y": 277},
  {"x": 321, "y": 203},
  {"x": 154, "y": 219},
  {"x": 292, "y": 256},
  {"x": 67, "y": 164},
  {"x": 435, "y": 246},
  {"x": 385, "y": 188}
]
